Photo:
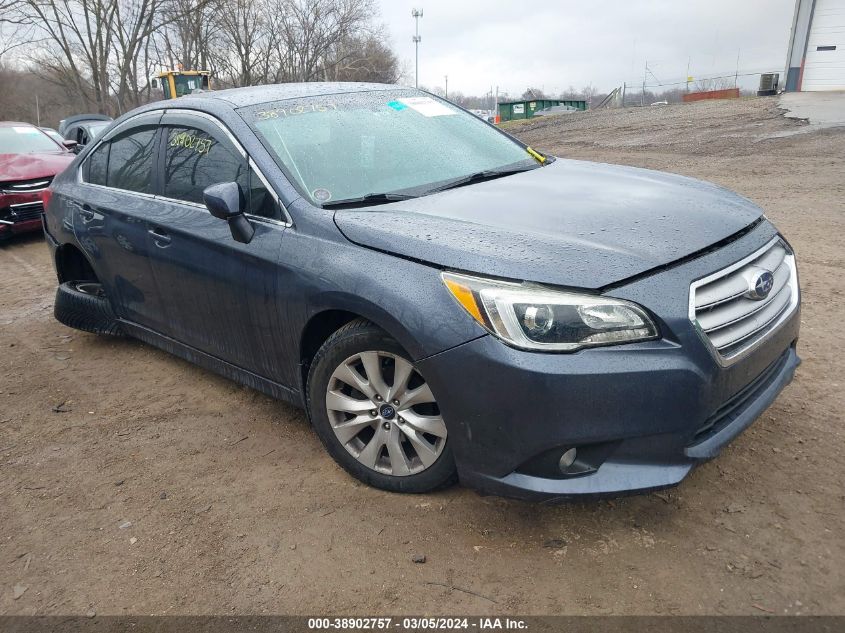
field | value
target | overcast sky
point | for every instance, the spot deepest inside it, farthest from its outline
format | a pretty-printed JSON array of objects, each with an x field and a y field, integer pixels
[{"x": 552, "y": 44}]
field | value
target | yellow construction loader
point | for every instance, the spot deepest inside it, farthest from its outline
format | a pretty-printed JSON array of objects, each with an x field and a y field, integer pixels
[{"x": 177, "y": 83}]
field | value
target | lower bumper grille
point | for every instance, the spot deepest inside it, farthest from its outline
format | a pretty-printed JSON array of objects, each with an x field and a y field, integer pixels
[
  {"x": 734, "y": 407},
  {"x": 738, "y": 307},
  {"x": 21, "y": 212}
]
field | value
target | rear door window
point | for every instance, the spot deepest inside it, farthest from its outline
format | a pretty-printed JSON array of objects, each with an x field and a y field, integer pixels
[{"x": 130, "y": 161}]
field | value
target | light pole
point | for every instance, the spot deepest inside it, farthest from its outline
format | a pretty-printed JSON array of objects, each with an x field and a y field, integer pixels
[
  {"x": 417, "y": 14},
  {"x": 446, "y": 77}
]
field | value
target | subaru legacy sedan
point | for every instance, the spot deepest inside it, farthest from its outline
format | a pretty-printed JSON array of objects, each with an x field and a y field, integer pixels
[{"x": 446, "y": 303}]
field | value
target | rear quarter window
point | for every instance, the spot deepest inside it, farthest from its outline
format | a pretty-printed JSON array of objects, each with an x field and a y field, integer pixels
[{"x": 94, "y": 170}]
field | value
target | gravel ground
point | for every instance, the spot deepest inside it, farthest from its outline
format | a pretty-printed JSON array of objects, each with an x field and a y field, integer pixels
[{"x": 133, "y": 482}]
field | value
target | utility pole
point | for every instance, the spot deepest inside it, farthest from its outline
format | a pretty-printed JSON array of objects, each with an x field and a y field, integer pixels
[
  {"x": 446, "y": 77},
  {"x": 736, "y": 76},
  {"x": 417, "y": 14},
  {"x": 37, "y": 111},
  {"x": 645, "y": 75}
]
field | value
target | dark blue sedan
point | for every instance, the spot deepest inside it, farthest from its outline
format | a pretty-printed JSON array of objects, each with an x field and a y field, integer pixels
[{"x": 444, "y": 301}]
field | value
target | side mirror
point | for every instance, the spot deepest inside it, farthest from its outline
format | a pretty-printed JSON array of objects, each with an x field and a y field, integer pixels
[
  {"x": 71, "y": 145},
  {"x": 226, "y": 202}
]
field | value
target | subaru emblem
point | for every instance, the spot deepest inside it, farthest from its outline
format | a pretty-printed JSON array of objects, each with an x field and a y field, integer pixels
[{"x": 761, "y": 285}]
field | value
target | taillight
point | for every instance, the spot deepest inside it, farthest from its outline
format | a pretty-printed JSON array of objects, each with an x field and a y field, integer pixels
[{"x": 46, "y": 195}]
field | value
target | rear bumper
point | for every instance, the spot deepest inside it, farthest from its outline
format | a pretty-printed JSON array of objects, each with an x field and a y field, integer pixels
[{"x": 654, "y": 409}]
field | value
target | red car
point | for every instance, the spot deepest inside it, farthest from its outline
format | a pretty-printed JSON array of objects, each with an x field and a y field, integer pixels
[{"x": 28, "y": 161}]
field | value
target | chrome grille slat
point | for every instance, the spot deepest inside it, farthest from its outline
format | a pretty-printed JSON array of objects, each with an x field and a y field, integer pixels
[
  {"x": 723, "y": 308},
  {"x": 725, "y": 314},
  {"x": 730, "y": 289},
  {"x": 744, "y": 328},
  {"x": 25, "y": 186},
  {"x": 735, "y": 285},
  {"x": 754, "y": 335}
]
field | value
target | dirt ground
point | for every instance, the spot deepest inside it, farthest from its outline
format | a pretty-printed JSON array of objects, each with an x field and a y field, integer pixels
[{"x": 133, "y": 482}]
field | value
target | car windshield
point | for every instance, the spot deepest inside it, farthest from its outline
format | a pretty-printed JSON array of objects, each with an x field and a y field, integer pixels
[
  {"x": 348, "y": 146},
  {"x": 25, "y": 139}
]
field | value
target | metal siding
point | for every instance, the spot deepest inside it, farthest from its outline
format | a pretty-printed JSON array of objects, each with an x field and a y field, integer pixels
[{"x": 825, "y": 70}]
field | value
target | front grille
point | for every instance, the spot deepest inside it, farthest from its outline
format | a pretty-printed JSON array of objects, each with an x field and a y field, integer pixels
[
  {"x": 734, "y": 407},
  {"x": 726, "y": 310},
  {"x": 25, "y": 186},
  {"x": 22, "y": 212}
]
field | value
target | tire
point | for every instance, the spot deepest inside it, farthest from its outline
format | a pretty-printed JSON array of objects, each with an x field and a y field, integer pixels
[
  {"x": 84, "y": 306},
  {"x": 402, "y": 448}
]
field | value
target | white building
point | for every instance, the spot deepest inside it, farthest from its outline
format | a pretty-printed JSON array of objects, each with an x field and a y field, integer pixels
[{"x": 816, "y": 56}]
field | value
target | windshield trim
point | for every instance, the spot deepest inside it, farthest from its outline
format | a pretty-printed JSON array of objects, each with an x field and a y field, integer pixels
[{"x": 433, "y": 188}]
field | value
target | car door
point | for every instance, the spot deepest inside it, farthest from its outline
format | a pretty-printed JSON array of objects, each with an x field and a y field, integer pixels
[
  {"x": 219, "y": 294},
  {"x": 111, "y": 201}
]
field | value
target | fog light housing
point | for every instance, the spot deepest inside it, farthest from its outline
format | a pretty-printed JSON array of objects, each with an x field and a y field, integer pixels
[
  {"x": 567, "y": 459},
  {"x": 563, "y": 462}
]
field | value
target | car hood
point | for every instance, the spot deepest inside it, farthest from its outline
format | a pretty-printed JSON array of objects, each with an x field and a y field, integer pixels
[
  {"x": 29, "y": 166},
  {"x": 571, "y": 223}
]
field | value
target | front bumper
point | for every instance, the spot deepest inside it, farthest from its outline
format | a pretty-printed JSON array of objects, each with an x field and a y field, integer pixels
[
  {"x": 26, "y": 226},
  {"x": 651, "y": 411},
  {"x": 20, "y": 213}
]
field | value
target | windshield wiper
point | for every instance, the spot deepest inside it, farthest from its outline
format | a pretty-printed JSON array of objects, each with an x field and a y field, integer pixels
[
  {"x": 368, "y": 200},
  {"x": 480, "y": 176}
]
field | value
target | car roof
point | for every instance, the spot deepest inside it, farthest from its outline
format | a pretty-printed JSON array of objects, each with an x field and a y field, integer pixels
[
  {"x": 15, "y": 124},
  {"x": 253, "y": 95}
]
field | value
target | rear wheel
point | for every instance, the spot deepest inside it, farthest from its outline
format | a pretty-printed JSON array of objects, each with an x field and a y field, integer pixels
[
  {"x": 376, "y": 414},
  {"x": 83, "y": 305}
]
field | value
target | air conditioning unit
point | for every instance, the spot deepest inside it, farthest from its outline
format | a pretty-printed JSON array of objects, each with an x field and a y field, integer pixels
[{"x": 768, "y": 84}]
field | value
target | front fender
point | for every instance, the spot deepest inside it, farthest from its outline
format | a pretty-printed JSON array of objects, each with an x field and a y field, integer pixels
[{"x": 405, "y": 298}]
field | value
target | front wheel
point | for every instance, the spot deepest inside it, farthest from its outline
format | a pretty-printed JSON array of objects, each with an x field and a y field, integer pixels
[{"x": 376, "y": 414}]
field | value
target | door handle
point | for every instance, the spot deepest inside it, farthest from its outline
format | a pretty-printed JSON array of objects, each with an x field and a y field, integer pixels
[
  {"x": 160, "y": 237},
  {"x": 87, "y": 213}
]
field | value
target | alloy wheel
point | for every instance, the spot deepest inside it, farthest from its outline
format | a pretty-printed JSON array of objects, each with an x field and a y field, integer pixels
[{"x": 383, "y": 413}]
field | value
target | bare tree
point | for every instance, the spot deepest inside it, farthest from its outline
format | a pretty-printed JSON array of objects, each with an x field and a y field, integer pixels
[
  {"x": 13, "y": 32},
  {"x": 533, "y": 93},
  {"x": 79, "y": 36},
  {"x": 102, "y": 53},
  {"x": 134, "y": 26},
  {"x": 188, "y": 35},
  {"x": 716, "y": 83},
  {"x": 312, "y": 32},
  {"x": 588, "y": 92},
  {"x": 245, "y": 30},
  {"x": 366, "y": 58}
]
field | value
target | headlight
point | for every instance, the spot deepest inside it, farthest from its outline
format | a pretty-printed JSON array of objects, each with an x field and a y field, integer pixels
[{"x": 536, "y": 318}]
